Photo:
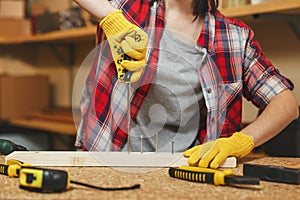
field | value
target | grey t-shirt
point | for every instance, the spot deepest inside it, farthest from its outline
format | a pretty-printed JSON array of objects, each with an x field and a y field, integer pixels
[{"x": 171, "y": 110}]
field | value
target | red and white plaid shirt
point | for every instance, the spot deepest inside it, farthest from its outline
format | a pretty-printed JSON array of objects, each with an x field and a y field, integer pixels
[{"x": 233, "y": 66}]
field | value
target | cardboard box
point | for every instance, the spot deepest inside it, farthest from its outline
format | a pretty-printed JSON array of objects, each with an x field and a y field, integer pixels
[
  {"x": 15, "y": 27},
  {"x": 62, "y": 20},
  {"x": 12, "y": 9},
  {"x": 21, "y": 95}
]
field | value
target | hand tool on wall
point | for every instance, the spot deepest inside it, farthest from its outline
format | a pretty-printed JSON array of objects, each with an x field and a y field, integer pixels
[
  {"x": 273, "y": 173},
  {"x": 46, "y": 180},
  {"x": 212, "y": 176},
  {"x": 7, "y": 147}
]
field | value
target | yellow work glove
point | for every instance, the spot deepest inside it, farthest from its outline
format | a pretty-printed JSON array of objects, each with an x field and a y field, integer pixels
[
  {"x": 214, "y": 153},
  {"x": 128, "y": 44}
]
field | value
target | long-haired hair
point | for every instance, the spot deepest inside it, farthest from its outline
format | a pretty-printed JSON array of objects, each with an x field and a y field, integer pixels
[{"x": 200, "y": 7}]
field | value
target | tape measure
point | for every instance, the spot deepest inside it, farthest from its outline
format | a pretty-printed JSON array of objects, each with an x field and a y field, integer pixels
[
  {"x": 44, "y": 180},
  {"x": 50, "y": 180}
]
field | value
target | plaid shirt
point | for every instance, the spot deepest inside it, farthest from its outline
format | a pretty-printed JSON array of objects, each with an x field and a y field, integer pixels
[{"x": 233, "y": 66}]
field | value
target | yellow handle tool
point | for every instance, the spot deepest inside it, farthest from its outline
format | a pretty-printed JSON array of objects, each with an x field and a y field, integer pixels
[
  {"x": 212, "y": 176},
  {"x": 12, "y": 169}
]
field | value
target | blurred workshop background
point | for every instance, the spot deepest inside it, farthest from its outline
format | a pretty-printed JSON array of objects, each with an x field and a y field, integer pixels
[{"x": 44, "y": 42}]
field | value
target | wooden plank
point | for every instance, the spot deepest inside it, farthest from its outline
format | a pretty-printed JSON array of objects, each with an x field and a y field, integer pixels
[
  {"x": 55, "y": 36},
  {"x": 272, "y": 6},
  {"x": 56, "y": 120},
  {"x": 108, "y": 159},
  {"x": 294, "y": 165},
  {"x": 52, "y": 116}
]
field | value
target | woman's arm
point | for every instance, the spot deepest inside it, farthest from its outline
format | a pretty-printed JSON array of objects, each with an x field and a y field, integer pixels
[
  {"x": 98, "y": 8},
  {"x": 281, "y": 110}
]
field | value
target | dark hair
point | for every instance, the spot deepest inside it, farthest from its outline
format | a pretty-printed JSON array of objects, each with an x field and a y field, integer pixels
[{"x": 200, "y": 7}]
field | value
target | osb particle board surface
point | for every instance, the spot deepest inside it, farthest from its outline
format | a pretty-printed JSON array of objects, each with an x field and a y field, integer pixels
[{"x": 155, "y": 184}]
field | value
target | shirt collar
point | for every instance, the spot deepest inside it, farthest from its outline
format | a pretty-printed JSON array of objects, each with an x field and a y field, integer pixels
[{"x": 207, "y": 35}]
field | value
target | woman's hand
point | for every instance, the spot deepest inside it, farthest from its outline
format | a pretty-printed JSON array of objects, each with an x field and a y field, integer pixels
[
  {"x": 128, "y": 44},
  {"x": 214, "y": 153}
]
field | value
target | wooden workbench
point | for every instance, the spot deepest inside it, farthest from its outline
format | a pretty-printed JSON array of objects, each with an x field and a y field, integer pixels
[{"x": 155, "y": 184}]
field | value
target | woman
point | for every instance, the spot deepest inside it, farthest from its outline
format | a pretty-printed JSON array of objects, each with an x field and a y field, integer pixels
[{"x": 191, "y": 67}]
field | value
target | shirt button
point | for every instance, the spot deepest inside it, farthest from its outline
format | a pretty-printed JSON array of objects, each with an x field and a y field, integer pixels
[
  {"x": 209, "y": 91},
  {"x": 213, "y": 120}
]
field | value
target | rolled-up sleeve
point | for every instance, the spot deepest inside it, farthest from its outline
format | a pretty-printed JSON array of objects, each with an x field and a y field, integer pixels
[{"x": 262, "y": 81}]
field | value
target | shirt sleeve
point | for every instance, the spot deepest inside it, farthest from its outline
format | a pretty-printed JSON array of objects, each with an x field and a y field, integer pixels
[{"x": 262, "y": 81}]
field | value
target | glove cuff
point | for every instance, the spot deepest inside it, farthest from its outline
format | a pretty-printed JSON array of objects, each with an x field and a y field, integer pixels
[
  {"x": 245, "y": 141},
  {"x": 114, "y": 23}
]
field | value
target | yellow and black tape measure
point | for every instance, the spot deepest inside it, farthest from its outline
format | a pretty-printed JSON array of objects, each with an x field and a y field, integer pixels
[
  {"x": 44, "y": 180},
  {"x": 50, "y": 180}
]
